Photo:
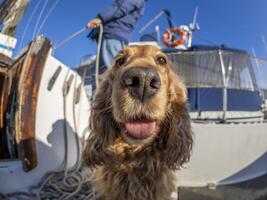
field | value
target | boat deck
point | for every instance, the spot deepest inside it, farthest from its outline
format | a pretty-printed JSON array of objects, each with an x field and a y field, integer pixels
[{"x": 250, "y": 190}]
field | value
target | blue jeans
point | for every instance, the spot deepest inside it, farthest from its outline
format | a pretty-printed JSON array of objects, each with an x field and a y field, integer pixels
[{"x": 108, "y": 51}]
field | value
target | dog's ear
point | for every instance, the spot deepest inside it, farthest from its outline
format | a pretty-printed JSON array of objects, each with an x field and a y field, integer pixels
[
  {"x": 102, "y": 125},
  {"x": 178, "y": 135}
]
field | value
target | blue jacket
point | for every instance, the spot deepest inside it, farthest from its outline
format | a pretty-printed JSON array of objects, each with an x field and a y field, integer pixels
[{"x": 119, "y": 19}]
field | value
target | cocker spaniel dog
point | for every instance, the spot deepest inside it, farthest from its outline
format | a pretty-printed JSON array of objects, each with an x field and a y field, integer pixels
[{"x": 140, "y": 127}]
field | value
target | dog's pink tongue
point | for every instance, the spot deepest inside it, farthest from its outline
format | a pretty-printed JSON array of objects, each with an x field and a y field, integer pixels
[{"x": 141, "y": 130}]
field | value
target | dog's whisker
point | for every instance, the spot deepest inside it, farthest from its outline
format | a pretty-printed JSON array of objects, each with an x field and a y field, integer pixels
[{"x": 103, "y": 110}]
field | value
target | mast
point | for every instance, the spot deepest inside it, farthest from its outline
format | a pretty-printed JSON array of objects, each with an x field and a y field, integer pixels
[
  {"x": 11, "y": 12},
  {"x": 4, "y": 7}
]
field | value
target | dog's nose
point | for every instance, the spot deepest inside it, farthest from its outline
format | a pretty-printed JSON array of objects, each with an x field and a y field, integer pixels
[{"x": 141, "y": 82}]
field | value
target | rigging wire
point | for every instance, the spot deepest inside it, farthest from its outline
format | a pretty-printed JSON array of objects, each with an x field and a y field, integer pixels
[
  {"x": 206, "y": 41},
  {"x": 217, "y": 45},
  {"x": 156, "y": 18},
  {"x": 38, "y": 20},
  {"x": 264, "y": 43},
  {"x": 28, "y": 23},
  {"x": 151, "y": 22},
  {"x": 69, "y": 38},
  {"x": 47, "y": 16},
  {"x": 100, "y": 37}
]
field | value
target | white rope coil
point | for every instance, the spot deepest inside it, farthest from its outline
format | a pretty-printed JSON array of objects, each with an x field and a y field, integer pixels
[
  {"x": 73, "y": 184},
  {"x": 56, "y": 186},
  {"x": 66, "y": 184}
]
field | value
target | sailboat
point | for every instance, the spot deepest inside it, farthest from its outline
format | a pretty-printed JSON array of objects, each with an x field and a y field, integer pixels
[{"x": 44, "y": 114}]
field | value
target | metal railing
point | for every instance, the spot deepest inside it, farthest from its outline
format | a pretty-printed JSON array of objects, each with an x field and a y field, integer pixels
[{"x": 217, "y": 68}]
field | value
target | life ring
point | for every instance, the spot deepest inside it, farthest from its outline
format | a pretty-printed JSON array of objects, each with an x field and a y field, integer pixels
[{"x": 169, "y": 39}]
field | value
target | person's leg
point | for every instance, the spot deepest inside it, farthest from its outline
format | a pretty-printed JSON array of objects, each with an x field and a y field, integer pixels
[
  {"x": 102, "y": 56},
  {"x": 110, "y": 48}
]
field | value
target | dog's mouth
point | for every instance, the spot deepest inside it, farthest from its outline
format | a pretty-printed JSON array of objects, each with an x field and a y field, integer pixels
[{"x": 141, "y": 129}]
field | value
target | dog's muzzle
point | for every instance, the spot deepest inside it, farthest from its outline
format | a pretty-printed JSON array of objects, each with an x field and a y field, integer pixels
[{"x": 141, "y": 82}]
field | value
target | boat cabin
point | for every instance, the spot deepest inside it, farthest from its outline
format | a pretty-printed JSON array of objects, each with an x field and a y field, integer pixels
[{"x": 222, "y": 83}]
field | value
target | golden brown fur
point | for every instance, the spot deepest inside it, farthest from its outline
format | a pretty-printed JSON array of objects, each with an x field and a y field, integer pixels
[{"x": 126, "y": 168}]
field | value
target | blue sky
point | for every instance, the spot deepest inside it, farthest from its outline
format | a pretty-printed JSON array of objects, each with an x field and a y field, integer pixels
[{"x": 235, "y": 23}]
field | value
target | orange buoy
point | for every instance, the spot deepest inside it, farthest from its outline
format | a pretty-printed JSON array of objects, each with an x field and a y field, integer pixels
[{"x": 168, "y": 37}]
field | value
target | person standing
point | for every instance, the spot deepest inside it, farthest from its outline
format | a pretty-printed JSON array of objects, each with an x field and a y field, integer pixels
[{"x": 118, "y": 22}]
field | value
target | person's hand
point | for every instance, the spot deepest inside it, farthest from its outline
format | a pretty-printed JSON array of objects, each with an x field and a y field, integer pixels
[{"x": 94, "y": 23}]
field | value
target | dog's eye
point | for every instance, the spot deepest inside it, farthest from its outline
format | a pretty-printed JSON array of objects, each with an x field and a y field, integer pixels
[
  {"x": 120, "y": 61},
  {"x": 161, "y": 60}
]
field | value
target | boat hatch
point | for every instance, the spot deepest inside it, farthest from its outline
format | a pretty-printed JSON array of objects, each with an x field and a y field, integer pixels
[{"x": 19, "y": 87}]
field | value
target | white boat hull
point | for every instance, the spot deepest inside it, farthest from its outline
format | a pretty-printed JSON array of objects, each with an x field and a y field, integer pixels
[
  {"x": 49, "y": 129},
  {"x": 225, "y": 154}
]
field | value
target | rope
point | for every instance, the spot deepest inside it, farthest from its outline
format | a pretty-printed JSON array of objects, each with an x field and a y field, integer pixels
[
  {"x": 58, "y": 185},
  {"x": 64, "y": 184},
  {"x": 73, "y": 183},
  {"x": 100, "y": 37},
  {"x": 65, "y": 91},
  {"x": 75, "y": 122}
]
